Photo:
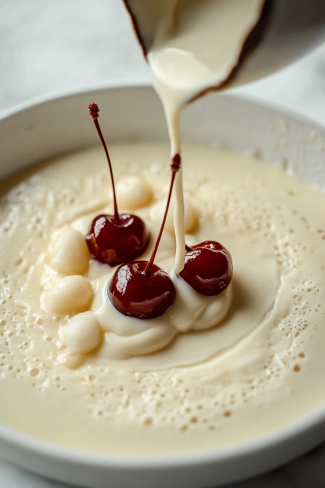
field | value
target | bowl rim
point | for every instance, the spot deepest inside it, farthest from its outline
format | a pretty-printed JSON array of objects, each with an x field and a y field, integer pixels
[
  {"x": 138, "y": 85},
  {"x": 71, "y": 92},
  {"x": 253, "y": 446},
  {"x": 44, "y": 448}
]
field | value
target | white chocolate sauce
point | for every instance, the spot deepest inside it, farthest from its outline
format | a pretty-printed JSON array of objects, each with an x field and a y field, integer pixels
[{"x": 260, "y": 369}]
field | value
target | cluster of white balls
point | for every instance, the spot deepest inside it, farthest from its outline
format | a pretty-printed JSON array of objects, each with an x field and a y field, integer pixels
[{"x": 71, "y": 294}]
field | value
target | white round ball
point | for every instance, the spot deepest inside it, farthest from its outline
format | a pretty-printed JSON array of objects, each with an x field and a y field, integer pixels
[
  {"x": 69, "y": 253},
  {"x": 82, "y": 333},
  {"x": 166, "y": 247},
  {"x": 133, "y": 192},
  {"x": 158, "y": 210},
  {"x": 70, "y": 295}
]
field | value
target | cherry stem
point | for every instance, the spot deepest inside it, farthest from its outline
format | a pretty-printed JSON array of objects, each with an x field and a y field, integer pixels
[
  {"x": 175, "y": 165},
  {"x": 94, "y": 113}
]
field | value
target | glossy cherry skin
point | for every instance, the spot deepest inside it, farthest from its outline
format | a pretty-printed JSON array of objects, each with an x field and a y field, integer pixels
[
  {"x": 208, "y": 268},
  {"x": 114, "y": 242},
  {"x": 134, "y": 294}
]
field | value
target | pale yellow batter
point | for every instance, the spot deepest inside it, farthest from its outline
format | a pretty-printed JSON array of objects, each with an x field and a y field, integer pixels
[{"x": 260, "y": 368}]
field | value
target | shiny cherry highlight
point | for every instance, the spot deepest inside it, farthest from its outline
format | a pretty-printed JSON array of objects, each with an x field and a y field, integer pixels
[
  {"x": 114, "y": 239},
  {"x": 208, "y": 268},
  {"x": 141, "y": 289},
  {"x": 114, "y": 242},
  {"x": 136, "y": 294}
]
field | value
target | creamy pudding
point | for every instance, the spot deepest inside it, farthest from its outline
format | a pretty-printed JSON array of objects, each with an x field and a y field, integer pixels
[{"x": 256, "y": 370}]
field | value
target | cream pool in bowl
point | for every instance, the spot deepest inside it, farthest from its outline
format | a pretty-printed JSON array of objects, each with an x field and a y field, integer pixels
[{"x": 206, "y": 405}]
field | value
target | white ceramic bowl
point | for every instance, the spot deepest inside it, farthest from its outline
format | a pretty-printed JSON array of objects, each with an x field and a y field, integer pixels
[{"x": 48, "y": 128}]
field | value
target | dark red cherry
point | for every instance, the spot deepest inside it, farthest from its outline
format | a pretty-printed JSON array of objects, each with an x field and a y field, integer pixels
[
  {"x": 135, "y": 294},
  {"x": 208, "y": 267},
  {"x": 141, "y": 289},
  {"x": 114, "y": 243},
  {"x": 114, "y": 239}
]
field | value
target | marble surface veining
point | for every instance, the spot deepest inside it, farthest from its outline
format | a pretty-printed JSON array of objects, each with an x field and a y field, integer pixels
[{"x": 51, "y": 47}]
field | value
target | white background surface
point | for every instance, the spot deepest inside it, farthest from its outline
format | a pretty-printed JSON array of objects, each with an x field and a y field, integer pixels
[{"x": 54, "y": 46}]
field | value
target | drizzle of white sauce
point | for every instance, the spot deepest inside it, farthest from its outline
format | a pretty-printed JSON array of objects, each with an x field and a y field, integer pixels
[
  {"x": 192, "y": 46},
  {"x": 128, "y": 336}
]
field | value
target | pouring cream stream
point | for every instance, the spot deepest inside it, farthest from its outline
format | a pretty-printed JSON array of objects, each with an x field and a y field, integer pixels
[{"x": 192, "y": 46}]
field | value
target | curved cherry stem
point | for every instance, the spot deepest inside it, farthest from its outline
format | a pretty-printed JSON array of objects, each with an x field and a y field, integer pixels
[
  {"x": 175, "y": 165},
  {"x": 94, "y": 113}
]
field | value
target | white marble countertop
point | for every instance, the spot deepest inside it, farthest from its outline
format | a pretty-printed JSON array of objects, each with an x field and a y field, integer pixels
[{"x": 51, "y": 47}]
